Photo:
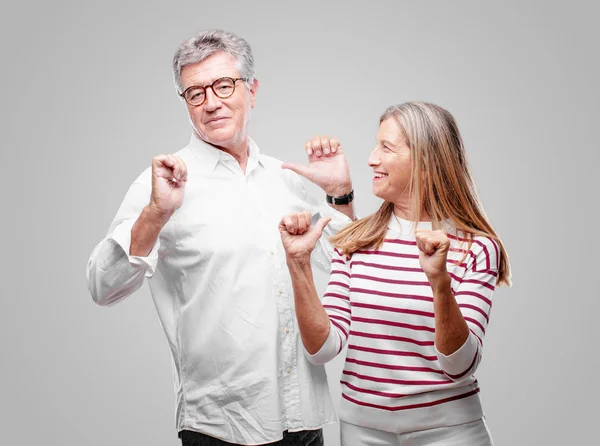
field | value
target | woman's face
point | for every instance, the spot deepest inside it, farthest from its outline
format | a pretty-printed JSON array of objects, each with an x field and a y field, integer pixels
[{"x": 390, "y": 161}]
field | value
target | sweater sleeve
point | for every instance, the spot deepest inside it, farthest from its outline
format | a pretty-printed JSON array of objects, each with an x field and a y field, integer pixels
[
  {"x": 336, "y": 302},
  {"x": 473, "y": 295}
]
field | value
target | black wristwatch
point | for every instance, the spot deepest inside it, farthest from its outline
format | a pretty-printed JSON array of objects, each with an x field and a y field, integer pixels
[{"x": 344, "y": 199}]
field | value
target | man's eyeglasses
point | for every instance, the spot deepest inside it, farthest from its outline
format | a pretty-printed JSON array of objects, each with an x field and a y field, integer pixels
[{"x": 222, "y": 88}]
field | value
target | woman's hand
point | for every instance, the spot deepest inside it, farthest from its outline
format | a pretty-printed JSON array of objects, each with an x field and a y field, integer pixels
[
  {"x": 298, "y": 236},
  {"x": 433, "y": 253}
]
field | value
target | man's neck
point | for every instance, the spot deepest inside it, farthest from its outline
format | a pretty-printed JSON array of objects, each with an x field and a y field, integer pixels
[{"x": 241, "y": 151}]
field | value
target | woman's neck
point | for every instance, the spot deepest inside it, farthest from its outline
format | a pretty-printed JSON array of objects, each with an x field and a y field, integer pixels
[{"x": 405, "y": 212}]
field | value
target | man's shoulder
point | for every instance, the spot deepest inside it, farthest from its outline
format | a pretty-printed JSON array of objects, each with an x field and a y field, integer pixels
[
  {"x": 290, "y": 178},
  {"x": 274, "y": 164},
  {"x": 145, "y": 177},
  {"x": 270, "y": 161}
]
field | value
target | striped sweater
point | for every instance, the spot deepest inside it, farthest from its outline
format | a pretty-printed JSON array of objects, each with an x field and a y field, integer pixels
[{"x": 380, "y": 305}]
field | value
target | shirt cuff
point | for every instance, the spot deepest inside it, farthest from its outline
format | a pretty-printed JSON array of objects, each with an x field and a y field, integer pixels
[
  {"x": 122, "y": 236},
  {"x": 462, "y": 361},
  {"x": 328, "y": 350},
  {"x": 327, "y": 211}
]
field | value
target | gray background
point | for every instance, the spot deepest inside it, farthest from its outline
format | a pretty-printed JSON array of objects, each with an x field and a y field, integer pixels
[{"x": 87, "y": 100}]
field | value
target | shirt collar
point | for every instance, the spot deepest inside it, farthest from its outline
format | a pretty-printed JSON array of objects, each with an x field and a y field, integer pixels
[
  {"x": 210, "y": 156},
  {"x": 204, "y": 152},
  {"x": 254, "y": 158}
]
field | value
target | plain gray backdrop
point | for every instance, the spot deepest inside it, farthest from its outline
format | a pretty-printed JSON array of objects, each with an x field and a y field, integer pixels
[{"x": 87, "y": 99}]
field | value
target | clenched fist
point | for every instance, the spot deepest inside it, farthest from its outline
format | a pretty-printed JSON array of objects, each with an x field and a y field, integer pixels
[
  {"x": 298, "y": 236},
  {"x": 169, "y": 175},
  {"x": 433, "y": 252}
]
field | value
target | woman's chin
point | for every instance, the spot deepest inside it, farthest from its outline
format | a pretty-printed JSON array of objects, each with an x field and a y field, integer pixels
[{"x": 379, "y": 194}]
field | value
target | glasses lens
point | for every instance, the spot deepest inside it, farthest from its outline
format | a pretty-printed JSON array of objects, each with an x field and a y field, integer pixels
[
  {"x": 224, "y": 87},
  {"x": 195, "y": 96}
]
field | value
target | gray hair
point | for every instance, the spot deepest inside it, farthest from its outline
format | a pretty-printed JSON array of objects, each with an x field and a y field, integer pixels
[{"x": 207, "y": 43}]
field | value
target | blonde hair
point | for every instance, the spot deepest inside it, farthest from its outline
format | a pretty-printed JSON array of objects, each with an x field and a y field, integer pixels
[{"x": 441, "y": 185}]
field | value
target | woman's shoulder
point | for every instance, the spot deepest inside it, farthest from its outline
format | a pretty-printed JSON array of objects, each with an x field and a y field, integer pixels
[
  {"x": 487, "y": 251},
  {"x": 484, "y": 250}
]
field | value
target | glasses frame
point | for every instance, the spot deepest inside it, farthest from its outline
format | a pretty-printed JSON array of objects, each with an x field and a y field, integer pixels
[{"x": 233, "y": 79}]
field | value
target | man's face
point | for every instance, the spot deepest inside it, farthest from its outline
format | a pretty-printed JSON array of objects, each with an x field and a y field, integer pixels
[{"x": 220, "y": 122}]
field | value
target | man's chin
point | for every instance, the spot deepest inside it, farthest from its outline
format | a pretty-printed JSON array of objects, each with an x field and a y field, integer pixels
[{"x": 220, "y": 139}]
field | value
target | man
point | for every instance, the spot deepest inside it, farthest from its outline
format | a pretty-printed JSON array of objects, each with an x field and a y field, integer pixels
[{"x": 202, "y": 226}]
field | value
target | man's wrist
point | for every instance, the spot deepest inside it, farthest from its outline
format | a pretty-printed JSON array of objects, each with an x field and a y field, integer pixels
[
  {"x": 156, "y": 215},
  {"x": 340, "y": 190},
  {"x": 340, "y": 199}
]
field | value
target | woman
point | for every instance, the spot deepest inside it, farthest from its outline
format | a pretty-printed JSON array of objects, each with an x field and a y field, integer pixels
[{"x": 410, "y": 290}]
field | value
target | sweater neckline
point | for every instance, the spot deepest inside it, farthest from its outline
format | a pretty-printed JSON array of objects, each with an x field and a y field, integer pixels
[{"x": 406, "y": 227}]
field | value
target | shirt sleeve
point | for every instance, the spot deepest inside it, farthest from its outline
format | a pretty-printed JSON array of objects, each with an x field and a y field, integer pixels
[
  {"x": 336, "y": 302},
  {"x": 474, "y": 297},
  {"x": 113, "y": 273}
]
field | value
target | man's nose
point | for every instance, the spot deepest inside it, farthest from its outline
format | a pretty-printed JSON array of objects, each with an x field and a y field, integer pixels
[{"x": 213, "y": 102}]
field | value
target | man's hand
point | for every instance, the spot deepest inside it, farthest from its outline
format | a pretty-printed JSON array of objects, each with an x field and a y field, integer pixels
[
  {"x": 169, "y": 175},
  {"x": 327, "y": 166},
  {"x": 297, "y": 235}
]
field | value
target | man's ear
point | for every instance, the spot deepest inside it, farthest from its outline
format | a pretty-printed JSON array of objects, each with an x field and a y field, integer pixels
[{"x": 253, "y": 89}]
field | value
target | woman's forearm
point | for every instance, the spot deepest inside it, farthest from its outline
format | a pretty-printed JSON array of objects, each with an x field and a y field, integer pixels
[
  {"x": 312, "y": 317},
  {"x": 451, "y": 329}
]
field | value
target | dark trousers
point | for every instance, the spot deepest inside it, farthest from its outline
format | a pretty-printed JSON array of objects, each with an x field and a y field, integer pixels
[{"x": 302, "y": 438}]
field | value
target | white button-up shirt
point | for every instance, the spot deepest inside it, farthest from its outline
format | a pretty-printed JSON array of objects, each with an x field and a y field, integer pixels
[{"x": 223, "y": 293}]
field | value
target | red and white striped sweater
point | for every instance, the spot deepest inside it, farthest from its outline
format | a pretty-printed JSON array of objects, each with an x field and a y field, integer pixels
[{"x": 381, "y": 305}]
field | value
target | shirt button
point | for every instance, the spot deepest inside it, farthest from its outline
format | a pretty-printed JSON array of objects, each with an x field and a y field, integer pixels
[
  {"x": 289, "y": 370},
  {"x": 271, "y": 252},
  {"x": 279, "y": 291},
  {"x": 286, "y": 329}
]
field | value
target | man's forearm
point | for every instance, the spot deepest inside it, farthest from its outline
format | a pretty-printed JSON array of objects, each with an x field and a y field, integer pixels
[
  {"x": 346, "y": 209},
  {"x": 145, "y": 231},
  {"x": 312, "y": 317}
]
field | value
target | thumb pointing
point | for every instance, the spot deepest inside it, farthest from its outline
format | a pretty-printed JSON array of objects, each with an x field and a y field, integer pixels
[
  {"x": 320, "y": 225},
  {"x": 298, "y": 168}
]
